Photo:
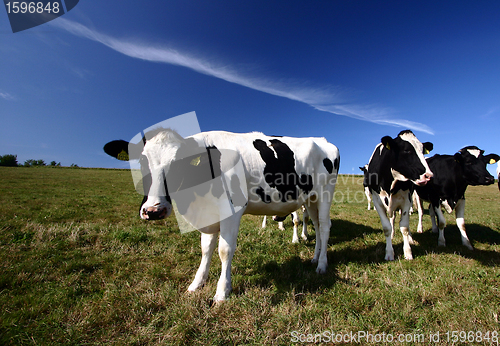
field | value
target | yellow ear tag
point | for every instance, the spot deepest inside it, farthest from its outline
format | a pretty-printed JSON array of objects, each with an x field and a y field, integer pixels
[
  {"x": 123, "y": 156},
  {"x": 426, "y": 151},
  {"x": 492, "y": 161},
  {"x": 196, "y": 161},
  {"x": 388, "y": 146}
]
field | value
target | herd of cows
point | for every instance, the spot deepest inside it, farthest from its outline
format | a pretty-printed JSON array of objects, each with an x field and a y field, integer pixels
[{"x": 217, "y": 177}]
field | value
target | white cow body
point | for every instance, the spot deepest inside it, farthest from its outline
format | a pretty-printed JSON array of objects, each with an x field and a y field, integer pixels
[{"x": 310, "y": 164}]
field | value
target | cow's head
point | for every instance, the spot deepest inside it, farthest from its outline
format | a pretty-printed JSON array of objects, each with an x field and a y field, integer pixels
[
  {"x": 155, "y": 154},
  {"x": 473, "y": 163},
  {"x": 407, "y": 157}
]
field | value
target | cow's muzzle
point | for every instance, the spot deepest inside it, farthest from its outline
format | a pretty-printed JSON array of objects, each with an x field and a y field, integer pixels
[
  {"x": 154, "y": 213},
  {"x": 424, "y": 179}
]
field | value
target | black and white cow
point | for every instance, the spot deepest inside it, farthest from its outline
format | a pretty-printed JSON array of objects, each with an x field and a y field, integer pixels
[
  {"x": 278, "y": 176},
  {"x": 396, "y": 165},
  {"x": 498, "y": 175},
  {"x": 368, "y": 194},
  {"x": 452, "y": 175},
  {"x": 295, "y": 220}
]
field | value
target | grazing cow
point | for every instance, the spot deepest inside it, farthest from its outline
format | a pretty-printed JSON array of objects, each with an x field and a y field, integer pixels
[
  {"x": 295, "y": 220},
  {"x": 452, "y": 175},
  {"x": 396, "y": 165},
  {"x": 498, "y": 175},
  {"x": 278, "y": 175},
  {"x": 368, "y": 195}
]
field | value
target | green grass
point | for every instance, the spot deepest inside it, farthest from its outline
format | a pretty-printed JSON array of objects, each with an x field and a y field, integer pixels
[{"x": 78, "y": 267}]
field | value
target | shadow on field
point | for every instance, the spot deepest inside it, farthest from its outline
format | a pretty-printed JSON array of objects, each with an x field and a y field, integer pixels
[
  {"x": 476, "y": 233},
  {"x": 343, "y": 230},
  {"x": 300, "y": 274}
]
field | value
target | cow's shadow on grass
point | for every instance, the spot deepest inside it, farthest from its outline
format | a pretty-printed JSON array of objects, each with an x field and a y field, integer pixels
[
  {"x": 299, "y": 274},
  {"x": 478, "y": 235}
]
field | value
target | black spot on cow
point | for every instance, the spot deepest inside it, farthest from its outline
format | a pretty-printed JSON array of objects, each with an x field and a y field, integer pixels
[
  {"x": 336, "y": 163},
  {"x": 265, "y": 198},
  {"x": 279, "y": 171},
  {"x": 386, "y": 200},
  {"x": 328, "y": 165}
]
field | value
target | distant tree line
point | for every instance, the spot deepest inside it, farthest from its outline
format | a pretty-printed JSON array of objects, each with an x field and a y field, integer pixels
[{"x": 11, "y": 161}]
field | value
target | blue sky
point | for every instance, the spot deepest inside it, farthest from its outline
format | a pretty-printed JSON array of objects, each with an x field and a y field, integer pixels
[{"x": 350, "y": 71}]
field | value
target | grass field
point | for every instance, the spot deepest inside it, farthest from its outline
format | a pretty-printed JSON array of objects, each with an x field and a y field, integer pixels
[{"x": 78, "y": 267}]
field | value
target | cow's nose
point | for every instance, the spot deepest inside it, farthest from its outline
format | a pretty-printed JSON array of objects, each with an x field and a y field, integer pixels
[
  {"x": 428, "y": 175},
  {"x": 154, "y": 213}
]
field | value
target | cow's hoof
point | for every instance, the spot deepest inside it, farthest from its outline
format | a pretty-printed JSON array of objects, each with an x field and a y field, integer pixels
[
  {"x": 389, "y": 257},
  {"x": 218, "y": 300},
  {"x": 441, "y": 243},
  {"x": 408, "y": 256},
  {"x": 194, "y": 287},
  {"x": 321, "y": 270}
]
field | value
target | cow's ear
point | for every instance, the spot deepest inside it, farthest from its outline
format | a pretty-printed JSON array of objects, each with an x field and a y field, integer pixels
[
  {"x": 458, "y": 157},
  {"x": 388, "y": 142},
  {"x": 118, "y": 149},
  {"x": 491, "y": 158},
  {"x": 428, "y": 146}
]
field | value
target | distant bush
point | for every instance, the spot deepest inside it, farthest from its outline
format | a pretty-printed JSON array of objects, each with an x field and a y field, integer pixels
[
  {"x": 8, "y": 160},
  {"x": 34, "y": 163},
  {"x": 11, "y": 161}
]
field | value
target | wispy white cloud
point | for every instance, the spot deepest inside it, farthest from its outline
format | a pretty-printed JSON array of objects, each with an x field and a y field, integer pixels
[
  {"x": 7, "y": 96},
  {"x": 325, "y": 99},
  {"x": 490, "y": 112}
]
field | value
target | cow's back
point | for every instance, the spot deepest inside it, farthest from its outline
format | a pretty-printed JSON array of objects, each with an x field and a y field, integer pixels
[{"x": 277, "y": 166}]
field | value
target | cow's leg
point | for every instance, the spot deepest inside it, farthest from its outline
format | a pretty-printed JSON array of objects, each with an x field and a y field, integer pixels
[
  {"x": 264, "y": 222},
  {"x": 296, "y": 220},
  {"x": 304, "y": 223},
  {"x": 280, "y": 226},
  {"x": 208, "y": 244},
  {"x": 404, "y": 226},
  {"x": 227, "y": 246},
  {"x": 432, "y": 214},
  {"x": 324, "y": 233},
  {"x": 368, "y": 197},
  {"x": 312, "y": 210},
  {"x": 386, "y": 226},
  {"x": 441, "y": 223},
  {"x": 392, "y": 218},
  {"x": 419, "y": 204},
  {"x": 459, "y": 213}
]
